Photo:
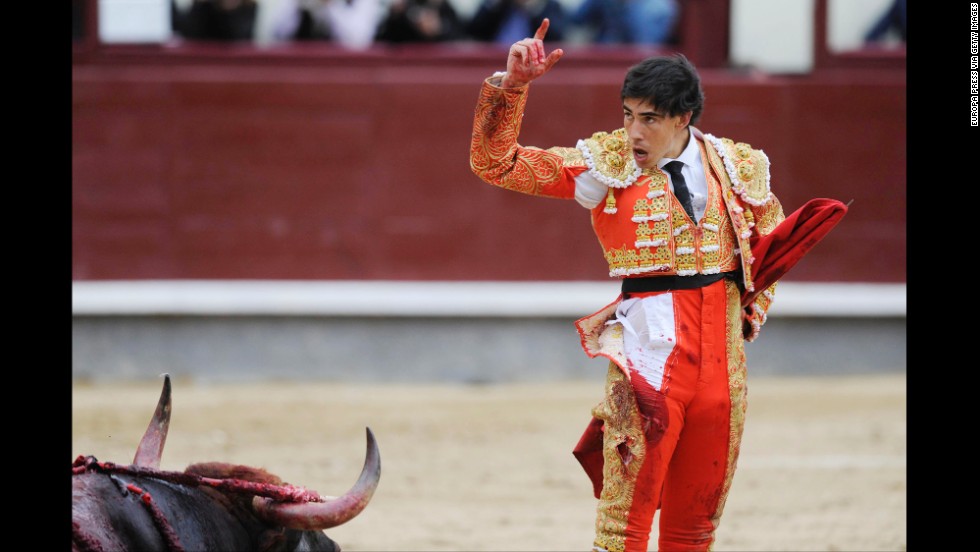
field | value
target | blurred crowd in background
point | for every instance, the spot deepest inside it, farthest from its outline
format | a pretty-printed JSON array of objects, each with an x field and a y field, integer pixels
[
  {"x": 361, "y": 24},
  {"x": 358, "y": 24}
]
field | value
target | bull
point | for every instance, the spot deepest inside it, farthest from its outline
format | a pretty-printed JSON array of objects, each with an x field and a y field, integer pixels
[{"x": 208, "y": 506}]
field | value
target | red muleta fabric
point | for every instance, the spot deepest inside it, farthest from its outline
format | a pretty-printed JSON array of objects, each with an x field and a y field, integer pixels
[{"x": 777, "y": 252}]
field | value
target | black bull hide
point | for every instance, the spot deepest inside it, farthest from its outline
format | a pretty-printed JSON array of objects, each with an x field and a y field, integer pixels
[{"x": 209, "y": 506}]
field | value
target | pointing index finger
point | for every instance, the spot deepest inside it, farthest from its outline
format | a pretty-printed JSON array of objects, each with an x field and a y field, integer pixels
[{"x": 542, "y": 30}]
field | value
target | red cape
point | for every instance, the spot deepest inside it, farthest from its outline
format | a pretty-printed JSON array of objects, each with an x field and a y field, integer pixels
[
  {"x": 773, "y": 255},
  {"x": 777, "y": 252}
]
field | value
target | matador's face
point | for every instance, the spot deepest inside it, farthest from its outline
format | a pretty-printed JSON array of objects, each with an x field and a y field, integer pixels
[{"x": 653, "y": 134}]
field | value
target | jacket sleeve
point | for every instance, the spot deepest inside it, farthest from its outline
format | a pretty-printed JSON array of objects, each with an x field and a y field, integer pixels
[
  {"x": 764, "y": 219},
  {"x": 498, "y": 159}
]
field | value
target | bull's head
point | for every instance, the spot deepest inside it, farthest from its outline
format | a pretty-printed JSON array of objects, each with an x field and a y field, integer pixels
[
  {"x": 314, "y": 513},
  {"x": 285, "y": 517}
]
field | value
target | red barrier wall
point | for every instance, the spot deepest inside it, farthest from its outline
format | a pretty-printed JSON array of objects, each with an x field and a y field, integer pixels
[{"x": 328, "y": 165}]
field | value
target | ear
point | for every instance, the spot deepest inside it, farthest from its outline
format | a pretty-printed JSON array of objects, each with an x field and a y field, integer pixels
[{"x": 684, "y": 119}]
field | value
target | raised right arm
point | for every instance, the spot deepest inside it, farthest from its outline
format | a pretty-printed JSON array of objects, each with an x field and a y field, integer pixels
[{"x": 495, "y": 155}]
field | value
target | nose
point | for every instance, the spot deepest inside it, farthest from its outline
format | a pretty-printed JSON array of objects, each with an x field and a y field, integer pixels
[{"x": 632, "y": 131}]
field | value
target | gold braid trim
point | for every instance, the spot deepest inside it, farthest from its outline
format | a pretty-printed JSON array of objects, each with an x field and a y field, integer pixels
[
  {"x": 623, "y": 452},
  {"x": 737, "y": 390}
]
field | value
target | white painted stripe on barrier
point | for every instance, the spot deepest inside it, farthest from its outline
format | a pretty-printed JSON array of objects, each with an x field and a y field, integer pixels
[
  {"x": 434, "y": 298},
  {"x": 839, "y": 299}
]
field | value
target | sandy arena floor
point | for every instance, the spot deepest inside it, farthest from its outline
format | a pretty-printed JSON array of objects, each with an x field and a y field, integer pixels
[{"x": 823, "y": 462}]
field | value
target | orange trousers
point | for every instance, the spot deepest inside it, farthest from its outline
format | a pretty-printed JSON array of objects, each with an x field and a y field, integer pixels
[{"x": 672, "y": 444}]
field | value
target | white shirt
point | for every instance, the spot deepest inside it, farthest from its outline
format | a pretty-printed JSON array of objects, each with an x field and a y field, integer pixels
[{"x": 693, "y": 173}]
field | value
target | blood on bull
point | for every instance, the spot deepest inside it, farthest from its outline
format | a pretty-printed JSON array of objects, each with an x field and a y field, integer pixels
[{"x": 208, "y": 506}]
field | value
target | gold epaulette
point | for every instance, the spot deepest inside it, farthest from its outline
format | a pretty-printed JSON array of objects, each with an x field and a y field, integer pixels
[
  {"x": 610, "y": 159},
  {"x": 747, "y": 168}
]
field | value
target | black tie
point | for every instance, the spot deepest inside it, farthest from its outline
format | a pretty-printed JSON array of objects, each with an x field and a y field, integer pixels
[{"x": 680, "y": 187}]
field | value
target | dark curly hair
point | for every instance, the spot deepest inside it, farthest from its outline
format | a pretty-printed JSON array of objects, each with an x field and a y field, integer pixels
[{"x": 669, "y": 83}]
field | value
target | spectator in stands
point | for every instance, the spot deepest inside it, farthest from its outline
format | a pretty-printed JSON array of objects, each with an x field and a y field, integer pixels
[
  {"x": 420, "y": 21},
  {"x": 507, "y": 21},
  {"x": 893, "y": 19},
  {"x": 215, "y": 20},
  {"x": 350, "y": 23},
  {"x": 628, "y": 21}
]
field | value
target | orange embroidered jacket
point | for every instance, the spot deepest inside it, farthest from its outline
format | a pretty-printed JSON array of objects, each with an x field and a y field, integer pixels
[{"x": 641, "y": 226}]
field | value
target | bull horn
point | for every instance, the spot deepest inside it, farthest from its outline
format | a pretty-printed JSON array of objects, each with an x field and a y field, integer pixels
[
  {"x": 315, "y": 516},
  {"x": 150, "y": 450}
]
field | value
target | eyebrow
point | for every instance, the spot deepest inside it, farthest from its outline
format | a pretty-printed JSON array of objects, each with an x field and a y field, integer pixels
[{"x": 644, "y": 113}]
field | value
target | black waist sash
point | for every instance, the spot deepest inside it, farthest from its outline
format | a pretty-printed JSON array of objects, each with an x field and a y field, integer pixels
[{"x": 665, "y": 283}]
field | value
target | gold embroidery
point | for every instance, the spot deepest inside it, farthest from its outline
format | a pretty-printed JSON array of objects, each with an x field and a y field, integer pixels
[
  {"x": 610, "y": 158},
  {"x": 641, "y": 210},
  {"x": 494, "y": 147},
  {"x": 743, "y": 150},
  {"x": 647, "y": 259},
  {"x": 737, "y": 391},
  {"x": 569, "y": 156},
  {"x": 685, "y": 261},
  {"x": 746, "y": 171},
  {"x": 623, "y": 452},
  {"x": 752, "y": 168},
  {"x": 613, "y": 144},
  {"x": 643, "y": 233},
  {"x": 739, "y": 215},
  {"x": 768, "y": 217},
  {"x": 717, "y": 240}
]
